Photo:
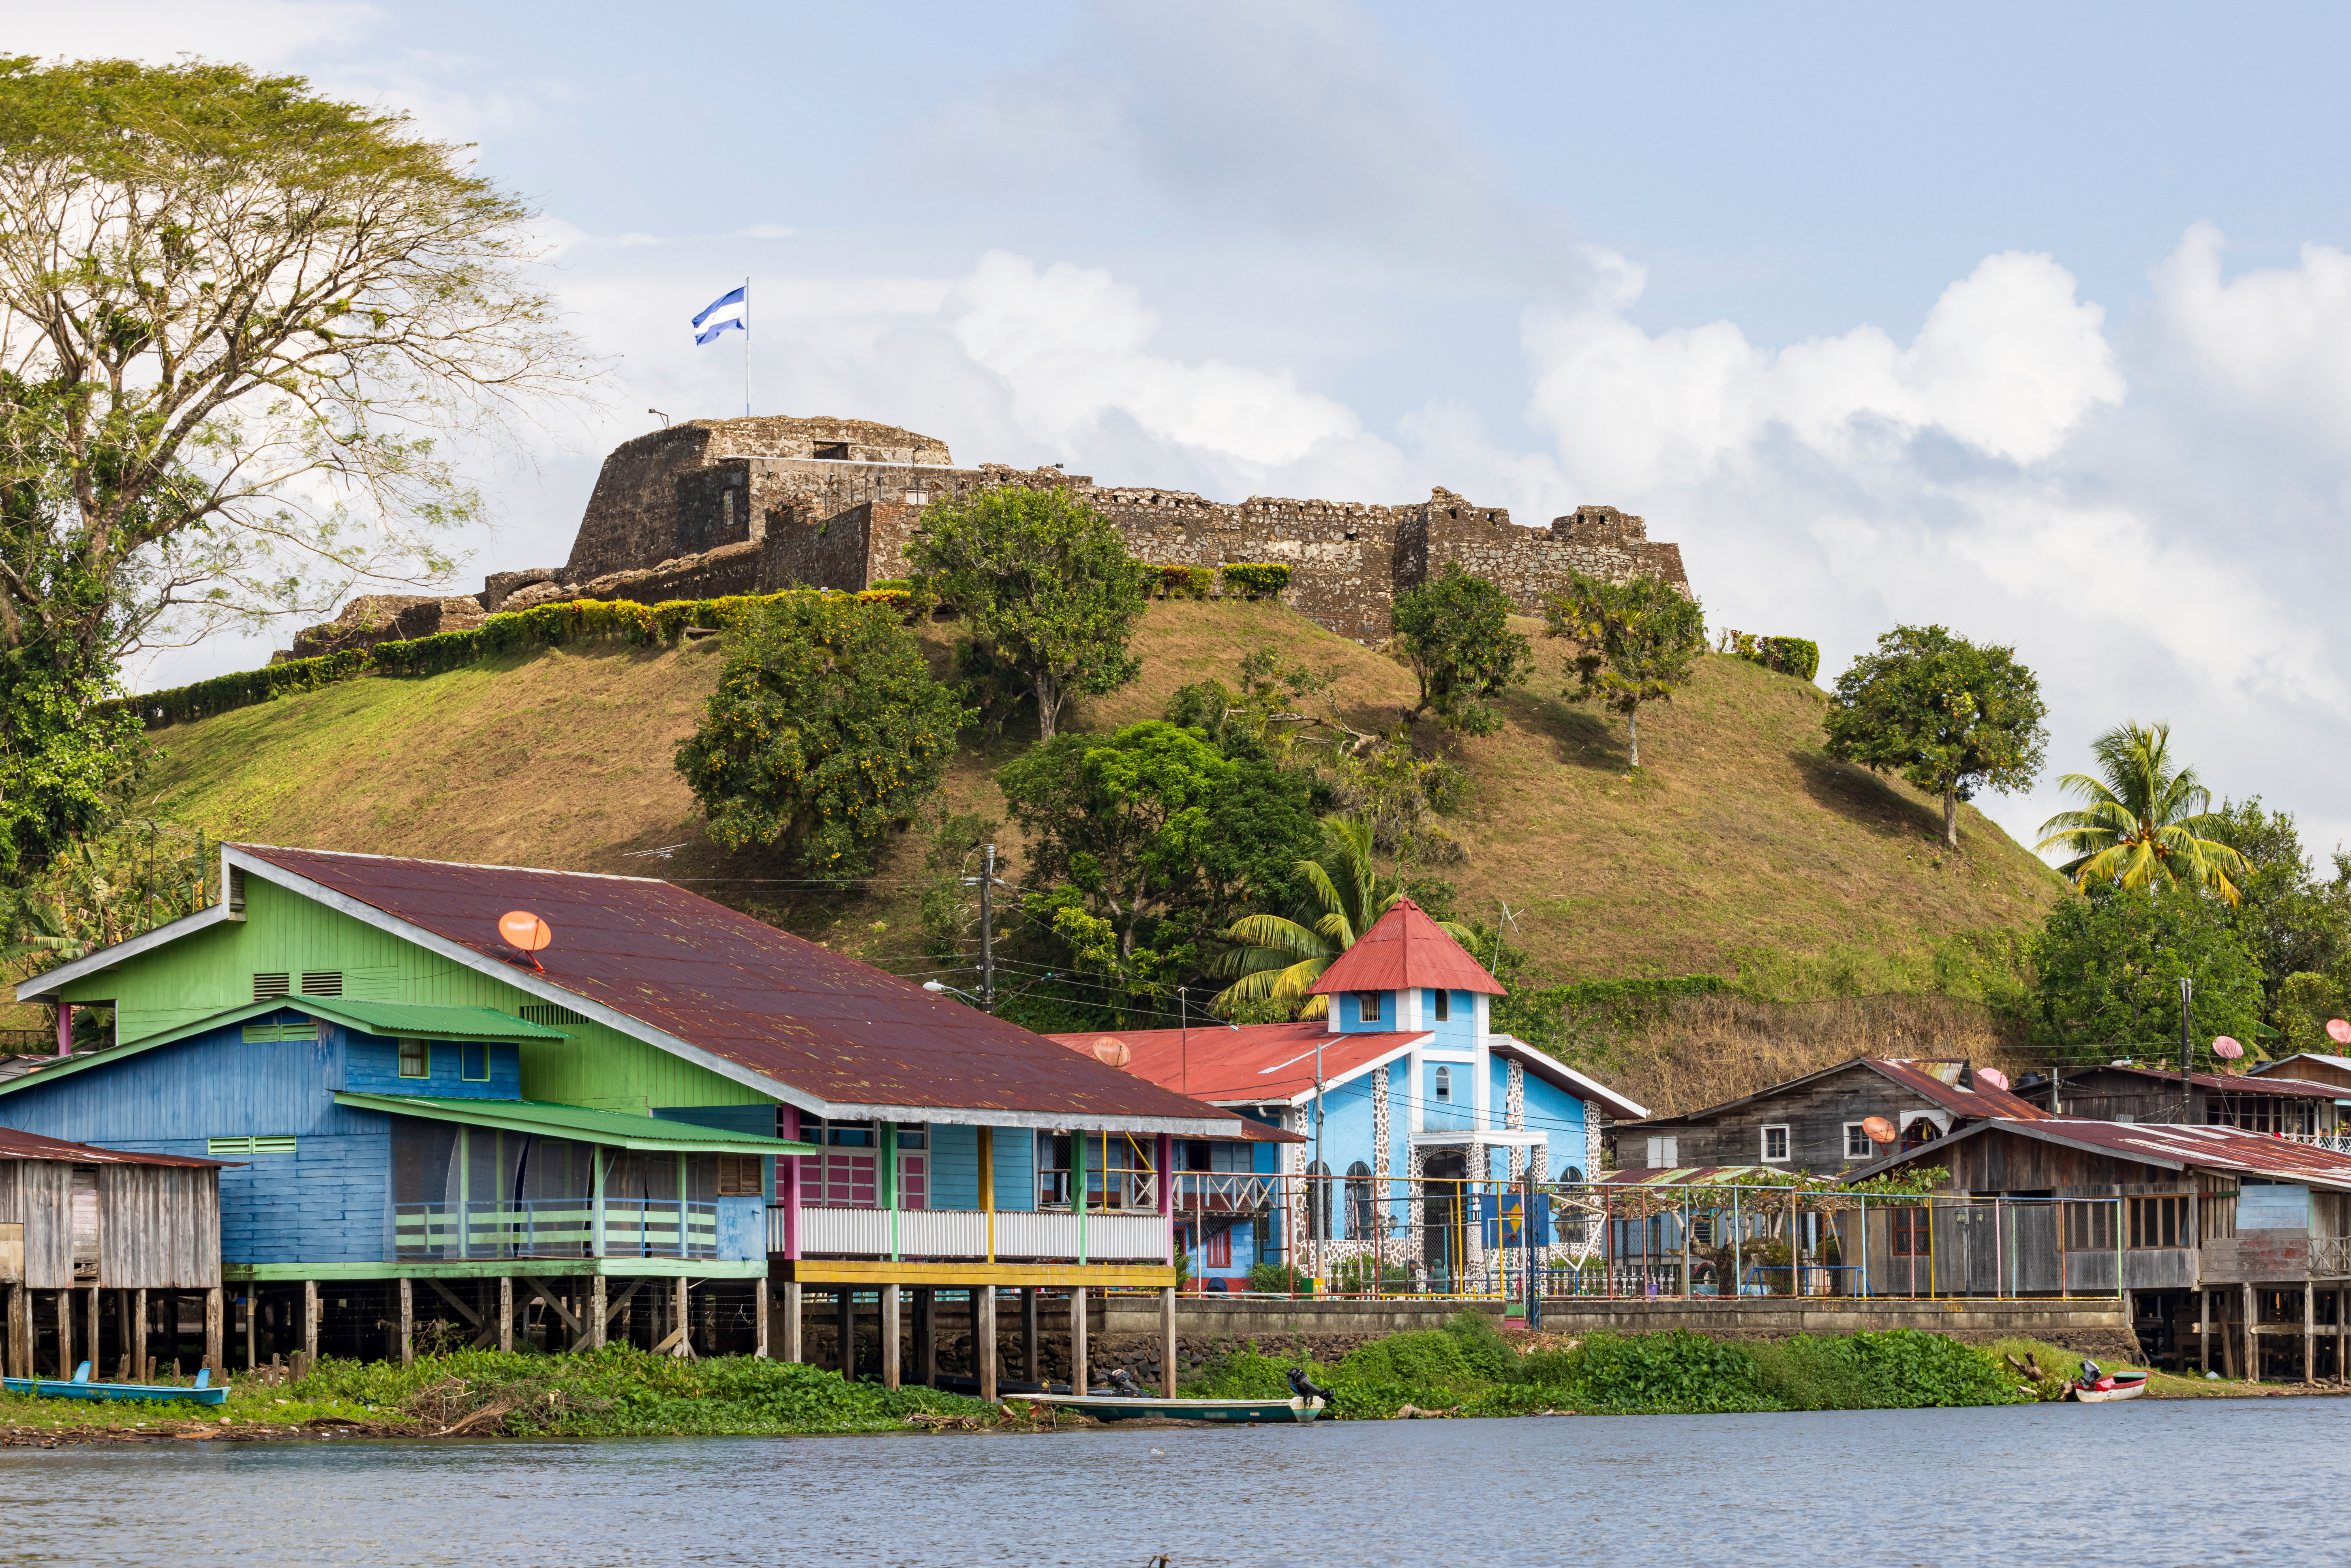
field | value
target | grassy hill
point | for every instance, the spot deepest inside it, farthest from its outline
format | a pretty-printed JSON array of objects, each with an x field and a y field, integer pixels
[{"x": 1739, "y": 832}]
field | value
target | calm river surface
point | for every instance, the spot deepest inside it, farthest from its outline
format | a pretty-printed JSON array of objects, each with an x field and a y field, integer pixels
[{"x": 2146, "y": 1484}]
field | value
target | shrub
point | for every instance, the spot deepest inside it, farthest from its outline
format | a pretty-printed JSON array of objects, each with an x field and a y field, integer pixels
[
  {"x": 1279, "y": 1277},
  {"x": 1482, "y": 1346},
  {"x": 1665, "y": 1373},
  {"x": 1256, "y": 578},
  {"x": 1795, "y": 656},
  {"x": 1422, "y": 1358}
]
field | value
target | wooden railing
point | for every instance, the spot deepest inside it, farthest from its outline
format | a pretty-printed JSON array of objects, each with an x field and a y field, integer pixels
[
  {"x": 555, "y": 1227},
  {"x": 965, "y": 1234}
]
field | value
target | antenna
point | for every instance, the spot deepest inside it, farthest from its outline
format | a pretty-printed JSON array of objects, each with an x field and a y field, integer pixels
[
  {"x": 526, "y": 932},
  {"x": 1113, "y": 1051},
  {"x": 1879, "y": 1129}
]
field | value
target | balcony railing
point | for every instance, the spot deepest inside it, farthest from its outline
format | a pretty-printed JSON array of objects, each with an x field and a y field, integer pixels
[
  {"x": 958, "y": 1234},
  {"x": 1218, "y": 1193},
  {"x": 555, "y": 1227},
  {"x": 2338, "y": 1141}
]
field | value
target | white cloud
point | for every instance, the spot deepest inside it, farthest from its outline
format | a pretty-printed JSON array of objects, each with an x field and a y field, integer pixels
[
  {"x": 2272, "y": 346},
  {"x": 268, "y": 34}
]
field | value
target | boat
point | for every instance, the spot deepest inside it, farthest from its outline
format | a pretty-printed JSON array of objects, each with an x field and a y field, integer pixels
[
  {"x": 80, "y": 1386},
  {"x": 2096, "y": 1386},
  {"x": 1297, "y": 1408}
]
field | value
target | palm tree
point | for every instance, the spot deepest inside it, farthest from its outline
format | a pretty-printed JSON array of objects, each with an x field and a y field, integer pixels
[
  {"x": 2144, "y": 819},
  {"x": 1280, "y": 958}
]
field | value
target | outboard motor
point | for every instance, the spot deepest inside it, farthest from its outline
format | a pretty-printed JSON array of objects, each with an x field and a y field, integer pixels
[
  {"x": 1306, "y": 1388},
  {"x": 1121, "y": 1381},
  {"x": 2091, "y": 1374}
]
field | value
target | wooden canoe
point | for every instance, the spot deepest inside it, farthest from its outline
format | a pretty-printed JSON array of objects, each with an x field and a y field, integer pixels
[
  {"x": 80, "y": 1386},
  {"x": 2128, "y": 1386},
  {"x": 1127, "y": 1407}
]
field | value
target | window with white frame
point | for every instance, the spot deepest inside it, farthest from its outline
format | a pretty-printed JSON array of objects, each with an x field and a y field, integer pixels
[
  {"x": 1444, "y": 1006},
  {"x": 1858, "y": 1145},
  {"x": 1444, "y": 1088},
  {"x": 1367, "y": 1006},
  {"x": 1663, "y": 1152},
  {"x": 1775, "y": 1143}
]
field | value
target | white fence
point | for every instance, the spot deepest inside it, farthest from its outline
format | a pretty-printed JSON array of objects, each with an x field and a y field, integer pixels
[{"x": 962, "y": 1233}]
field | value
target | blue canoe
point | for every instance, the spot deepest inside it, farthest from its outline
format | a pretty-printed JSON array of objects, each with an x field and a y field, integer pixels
[
  {"x": 81, "y": 1387},
  {"x": 1133, "y": 1407}
]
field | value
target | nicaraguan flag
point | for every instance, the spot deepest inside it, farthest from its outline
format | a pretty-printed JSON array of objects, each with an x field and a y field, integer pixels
[{"x": 734, "y": 300}]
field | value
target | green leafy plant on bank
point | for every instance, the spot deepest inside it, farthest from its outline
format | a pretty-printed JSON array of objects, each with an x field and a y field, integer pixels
[{"x": 1256, "y": 578}]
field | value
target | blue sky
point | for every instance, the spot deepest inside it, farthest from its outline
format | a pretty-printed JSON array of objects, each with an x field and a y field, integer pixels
[{"x": 2031, "y": 320}]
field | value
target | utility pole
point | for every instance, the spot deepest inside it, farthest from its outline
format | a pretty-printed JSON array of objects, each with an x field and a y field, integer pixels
[
  {"x": 1527, "y": 1233},
  {"x": 988, "y": 931},
  {"x": 2187, "y": 1054},
  {"x": 1317, "y": 1204}
]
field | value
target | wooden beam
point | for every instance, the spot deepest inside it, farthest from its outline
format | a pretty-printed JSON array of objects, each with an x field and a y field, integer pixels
[
  {"x": 844, "y": 1319},
  {"x": 309, "y": 1322},
  {"x": 547, "y": 1292},
  {"x": 465, "y": 1312},
  {"x": 505, "y": 1312},
  {"x": 215, "y": 1353},
  {"x": 65, "y": 1333},
  {"x": 984, "y": 1347},
  {"x": 597, "y": 1316},
  {"x": 1079, "y": 1377},
  {"x": 685, "y": 1320},
  {"x": 890, "y": 1337},
  {"x": 407, "y": 1321},
  {"x": 868, "y": 1273},
  {"x": 1168, "y": 1342},
  {"x": 762, "y": 1302},
  {"x": 2252, "y": 1345},
  {"x": 794, "y": 1350},
  {"x": 140, "y": 1372},
  {"x": 926, "y": 1335},
  {"x": 1028, "y": 1356}
]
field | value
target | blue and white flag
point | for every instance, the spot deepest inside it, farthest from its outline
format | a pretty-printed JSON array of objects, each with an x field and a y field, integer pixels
[{"x": 736, "y": 300}]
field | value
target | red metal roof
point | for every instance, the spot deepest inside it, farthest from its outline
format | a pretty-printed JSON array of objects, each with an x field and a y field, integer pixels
[
  {"x": 1261, "y": 1063},
  {"x": 723, "y": 983},
  {"x": 16, "y": 1146},
  {"x": 2229, "y": 1149},
  {"x": 2235, "y": 1084},
  {"x": 1982, "y": 1100},
  {"x": 1405, "y": 949}
]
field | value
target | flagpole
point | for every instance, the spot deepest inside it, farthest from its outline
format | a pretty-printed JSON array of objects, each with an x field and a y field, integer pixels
[{"x": 747, "y": 346}]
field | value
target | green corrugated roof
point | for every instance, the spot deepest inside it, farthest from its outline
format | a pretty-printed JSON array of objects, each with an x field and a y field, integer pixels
[{"x": 619, "y": 1129}]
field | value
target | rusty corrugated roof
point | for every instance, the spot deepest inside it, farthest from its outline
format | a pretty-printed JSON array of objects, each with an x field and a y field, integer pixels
[
  {"x": 1683, "y": 1176},
  {"x": 2229, "y": 1149},
  {"x": 1405, "y": 948},
  {"x": 1246, "y": 1064},
  {"x": 719, "y": 982},
  {"x": 19, "y": 1145},
  {"x": 2232, "y": 1083},
  {"x": 1927, "y": 1080}
]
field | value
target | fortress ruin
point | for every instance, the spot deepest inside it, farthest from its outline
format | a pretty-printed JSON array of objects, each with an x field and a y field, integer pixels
[{"x": 712, "y": 507}]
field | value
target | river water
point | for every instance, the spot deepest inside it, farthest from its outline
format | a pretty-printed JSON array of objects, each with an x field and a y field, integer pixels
[{"x": 2149, "y": 1484}]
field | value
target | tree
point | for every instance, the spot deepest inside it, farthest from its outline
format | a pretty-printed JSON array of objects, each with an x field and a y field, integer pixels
[
  {"x": 1634, "y": 643},
  {"x": 2293, "y": 923},
  {"x": 2110, "y": 966},
  {"x": 64, "y": 761},
  {"x": 1950, "y": 717},
  {"x": 826, "y": 731},
  {"x": 1279, "y": 957},
  {"x": 2146, "y": 820},
  {"x": 1456, "y": 630},
  {"x": 1044, "y": 582}
]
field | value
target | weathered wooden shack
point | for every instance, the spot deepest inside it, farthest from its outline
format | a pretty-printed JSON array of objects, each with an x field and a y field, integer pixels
[
  {"x": 2312, "y": 1067},
  {"x": 94, "y": 1243},
  {"x": 2265, "y": 1103},
  {"x": 2232, "y": 1248},
  {"x": 1818, "y": 1124}
]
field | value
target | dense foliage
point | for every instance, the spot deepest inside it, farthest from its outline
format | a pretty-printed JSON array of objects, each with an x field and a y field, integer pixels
[
  {"x": 827, "y": 730},
  {"x": 1947, "y": 715},
  {"x": 1634, "y": 643},
  {"x": 1797, "y": 656},
  {"x": 1255, "y": 578},
  {"x": 2143, "y": 822},
  {"x": 1456, "y": 631},
  {"x": 1043, "y": 582},
  {"x": 2109, "y": 969}
]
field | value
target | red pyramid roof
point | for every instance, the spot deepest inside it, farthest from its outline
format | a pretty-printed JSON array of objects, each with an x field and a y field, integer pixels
[{"x": 1405, "y": 949}]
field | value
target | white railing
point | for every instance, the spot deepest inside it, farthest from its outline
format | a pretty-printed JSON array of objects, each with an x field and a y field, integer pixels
[
  {"x": 2338, "y": 1142},
  {"x": 1236, "y": 1193},
  {"x": 962, "y": 1233}
]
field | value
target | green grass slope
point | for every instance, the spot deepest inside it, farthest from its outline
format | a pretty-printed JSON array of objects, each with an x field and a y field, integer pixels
[{"x": 1737, "y": 831}]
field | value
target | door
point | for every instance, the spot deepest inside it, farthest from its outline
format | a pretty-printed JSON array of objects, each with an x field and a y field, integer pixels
[
  {"x": 85, "y": 1224},
  {"x": 1444, "y": 1175}
]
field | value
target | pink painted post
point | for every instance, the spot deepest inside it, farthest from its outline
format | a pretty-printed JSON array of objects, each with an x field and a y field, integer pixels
[
  {"x": 1167, "y": 1189},
  {"x": 787, "y": 1180},
  {"x": 65, "y": 1027}
]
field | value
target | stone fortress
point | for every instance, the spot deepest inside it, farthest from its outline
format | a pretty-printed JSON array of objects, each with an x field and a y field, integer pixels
[{"x": 712, "y": 507}]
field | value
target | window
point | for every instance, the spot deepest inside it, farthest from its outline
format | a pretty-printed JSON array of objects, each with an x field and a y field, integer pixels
[
  {"x": 1318, "y": 1201},
  {"x": 267, "y": 987},
  {"x": 1217, "y": 1253},
  {"x": 550, "y": 1014},
  {"x": 1664, "y": 1153},
  {"x": 1921, "y": 1131},
  {"x": 236, "y": 889},
  {"x": 2157, "y": 1222},
  {"x": 833, "y": 451},
  {"x": 416, "y": 1059},
  {"x": 741, "y": 1176},
  {"x": 1570, "y": 1175},
  {"x": 298, "y": 1029},
  {"x": 1359, "y": 1200},
  {"x": 1858, "y": 1145},
  {"x": 246, "y": 1147},
  {"x": 923, "y": 499},
  {"x": 846, "y": 1173},
  {"x": 1775, "y": 1143},
  {"x": 1444, "y": 1006},
  {"x": 913, "y": 1164},
  {"x": 323, "y": 983},
  {"x": 1367, "y": 1006},
  {"x": 1119, "y": 1171},
  {"x": 1444, "y": 1090},
  {"x": 1913, "y": 1234},
  {"x": 476, "y": 1055},
  {"x": 2089, "y": 1227}
]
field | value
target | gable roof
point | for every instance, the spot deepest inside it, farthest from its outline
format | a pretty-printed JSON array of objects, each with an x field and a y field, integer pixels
[
  {"x": 1404, "y": 950},
  {"x": 1923, "y": 1078},
  {"x": 2230, "y": 1083},
  {"x": 2169, "y": 1147},
  {"x": 2340, "y": 1063},
  {"x": 731, "y": 994}
]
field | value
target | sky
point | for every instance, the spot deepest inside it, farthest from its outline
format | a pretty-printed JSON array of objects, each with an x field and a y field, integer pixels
[{"x": 2030, "y": 321}]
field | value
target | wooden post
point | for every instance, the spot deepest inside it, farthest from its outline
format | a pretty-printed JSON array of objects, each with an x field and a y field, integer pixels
[
  {"x": 1030, "y": 1359},
  {"x": 311, "y": 1308},
  {"x": 793, "y": 1349},
  {"x": 889, "y": 1336},
  {"x": 215, "y": 1353},
  {"x": 407, "y": 1321},
  {"x": 684, "y": 1347},
  {"x": 984, "y": 1343},
  {"x": 926, "y": 1335},
  {"x": 9, "y": 1365},
  {"x": 2252, "y": 1340},
  {"x": 2309, "y": 1332},
  {"x": 65, "y": 1333},
  {"x": 505, "y": 1312},
  {"x": 1078, "y": 1376},
  {"x": 89, "y": 1321},
  {"x": 1168, "y": 1342},
  {"x": 252, "y": 1325},
  {"x": 844, "y": 1319},
  {"x": 987, "y": 1185},
  {"x": 123, "y": 1337},
  {"x": 598, "y": 1292},
  {"x": 2204, "y": 1326},
  {"x": 765, "y": 1299}
]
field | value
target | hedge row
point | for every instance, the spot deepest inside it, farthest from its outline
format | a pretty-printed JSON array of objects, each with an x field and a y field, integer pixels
[
  {"x": 553, "y": 625},
  {"x": 1795, "y": 656},
  {"x": 1178, "y": 581},
  {"x": 1256, "y": 577}
]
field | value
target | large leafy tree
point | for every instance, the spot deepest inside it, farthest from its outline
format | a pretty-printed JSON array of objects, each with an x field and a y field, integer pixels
[
  {"x": 2291, "y": 920},
  {"x": 1951, "y": 716},
  {"x": 1456, "y": 630},
  {"x": 1279, "y": 956},
  {"x": 1044, "y": 582},
  {"x": 1634, "y": 643},
  {"x": 827, "y": 731},
  {"x": 2110, "y": 968},
  {"x": 2147, "y": 822}
]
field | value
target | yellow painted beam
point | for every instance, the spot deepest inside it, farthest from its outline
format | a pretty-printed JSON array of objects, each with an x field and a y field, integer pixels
[{"x": 861, "y": 1271}]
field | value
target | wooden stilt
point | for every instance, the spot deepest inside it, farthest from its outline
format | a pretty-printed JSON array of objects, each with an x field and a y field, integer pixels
[
  {"x": 889, "y": 1336},
  {"x": 216, "y": 1351},
  {"x": 65, "y": 1333},
  {"x": 926, "y": 1335},
  {"x": 794, "y": 1350},
  {"x": 312, "y": 1309},
  {"x": 89, "y": 1321},
  {"x": 1029, "y": 1367},
  {"x": 122, "y": 1336},
  {"x": 844, "y": 1318},
  {"x": 685, "y": 1348},
  {"x": 2309, "y": 1332},
  {"x": 596, "y": 1311},
  {"x": 10, "y": 1364},
  {"x": 1081, "y": 1377},
  {"x": 763, "y": 1318},
  {"x": 252, "y": 1325},
  {"x": 1168, "y": 1342},
  {"x": 505, "y": 1312},
  {"x": 984, "y": 1347},
  {"x": 407, "y": 1322},
  {"x": 2204, "y": 1326},
  {"x": 2252, "y": 1340}
]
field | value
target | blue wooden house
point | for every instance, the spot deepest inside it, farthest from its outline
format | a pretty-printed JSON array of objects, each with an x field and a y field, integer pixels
[{"x": 1414, "y": 1121}]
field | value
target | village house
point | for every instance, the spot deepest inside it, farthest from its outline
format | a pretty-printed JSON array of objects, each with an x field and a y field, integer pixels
[
  {"x": 2312, "y": 1067},
  {"x": 1822, "y": 1123},
  {"x": 1412, "y": 1119},
  {"x": 589, "y": 1107},
  {"x": 2271, "y": 1102},
  {"x": 2232, "y": 1248},
  {"x": 109, "y": 1256}
]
